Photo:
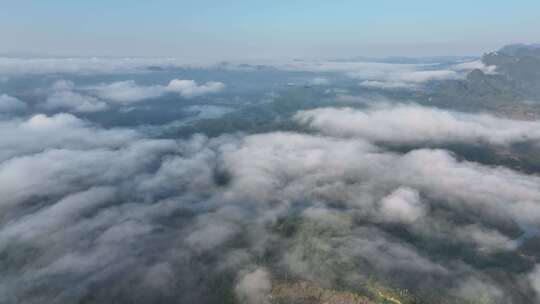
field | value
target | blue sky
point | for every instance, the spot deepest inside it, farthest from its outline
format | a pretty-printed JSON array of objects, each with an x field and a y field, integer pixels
[{"x": 272, "y": 28}]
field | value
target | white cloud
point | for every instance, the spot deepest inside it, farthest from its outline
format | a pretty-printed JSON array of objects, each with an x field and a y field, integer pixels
[
  {"x": 383, "y": 75},
  {"x": 108, "y": 205},
  {"x": 405, "y": 75},
  {"x": 254, "y": 287},
  {"x": 10, "y": 104},
  {"x": 402, "y": 78},
  {"x": 486, "y": 240},
  {"x": 41, "y": 132},
  {"x": 127, "y": 91},
  {"x": 160, "y": 277},
  {"x": 37, "y": 66},
  {"x": 63, "y": 85},
  {"x": 210, "y": 235},
  {"x": 320, "y": 81},
  {"x": 402, "y": 205},
  {"x": 425, "y": 76},
  {"x": 64, "y": 212},
  {"x": 534, "y": 278},
  {"x": 371, "y": 69},
  {"x": 473, "y": 65},
  {"x": 60, "y": 171},
  {"x": 480, "y": 290},
  {"x": 118, "y": 205},
  {"x": 189, "y": 88},
  {"x": 388, "y": 85},
  {"x": 74, "y": 102},
  {"x": 64, "y": 98},
  {"x": 406, "y": 124},
  {"x": 260, "y": 164}
]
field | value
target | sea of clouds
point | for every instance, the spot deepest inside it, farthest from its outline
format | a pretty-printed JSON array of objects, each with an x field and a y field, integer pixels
[{"x": 100, "y": 215}]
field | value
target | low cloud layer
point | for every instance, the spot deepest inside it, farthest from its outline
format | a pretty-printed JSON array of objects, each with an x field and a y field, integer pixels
[
  {"x": 189, "y": 88},
  {"x": 41, "y": 132},
  {"x": 369, "y": 74},
  {"x": 473, "y": 65},
  {"x": 129, "y": 91},
  {"x": 120, "y": 217},
  {"x": 90, "y": 66},
  {"x": 66, "y": 96},
  {"x": 254, "y": 287},
  {"x": 9, "y": 104},
  {"x": 414, "y": 124},
  {"x": 390, "y": 75},
  {"x": 404, "y": 79},
  {"x": 63, "y": 97}
]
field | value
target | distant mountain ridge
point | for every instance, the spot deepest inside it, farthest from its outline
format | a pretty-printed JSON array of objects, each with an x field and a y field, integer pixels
[
  {"x": 516, "y": 81},
  {"x": 521, "y": 50},
  {"x": 520, "y": 66}
]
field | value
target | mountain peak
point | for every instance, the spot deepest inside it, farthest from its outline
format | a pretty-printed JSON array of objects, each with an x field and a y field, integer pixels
[{"x": 521, "y": 50}]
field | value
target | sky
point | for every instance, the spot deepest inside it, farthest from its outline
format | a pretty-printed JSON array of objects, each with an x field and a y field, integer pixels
[{"x": 264, "y": 29}]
